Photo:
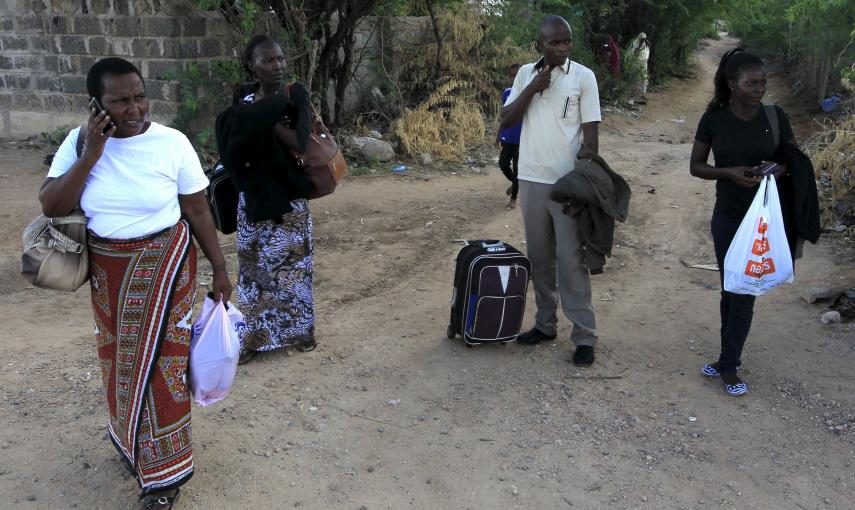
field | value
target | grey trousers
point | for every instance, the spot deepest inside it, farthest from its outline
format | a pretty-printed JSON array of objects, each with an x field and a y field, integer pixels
[{"x": 557, "y": 264}]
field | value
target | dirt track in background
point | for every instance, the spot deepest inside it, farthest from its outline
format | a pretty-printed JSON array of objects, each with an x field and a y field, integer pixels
[{"x": 489, "y": 427}]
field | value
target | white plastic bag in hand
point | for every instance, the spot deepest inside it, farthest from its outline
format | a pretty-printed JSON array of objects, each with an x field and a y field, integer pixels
[
  {"x": 214, "y": 351},
  {"x": 759, "y": 258}
]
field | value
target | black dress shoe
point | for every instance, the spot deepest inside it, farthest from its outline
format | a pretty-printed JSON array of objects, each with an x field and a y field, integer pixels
[
  {"x": 584, "y": 356},
  {"x": 534, "y": 336}
]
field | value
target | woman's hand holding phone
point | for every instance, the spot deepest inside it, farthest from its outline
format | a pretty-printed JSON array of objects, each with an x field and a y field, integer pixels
[
  {"x": 742, "y": 176},
  {"x": 775, "y": 169},
  {"x": 99, "y": 128},
  {"x": 767, "y": 168}
]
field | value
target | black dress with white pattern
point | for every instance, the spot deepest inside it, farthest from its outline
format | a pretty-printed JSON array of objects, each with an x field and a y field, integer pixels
[{"x": 275, "y": 273}]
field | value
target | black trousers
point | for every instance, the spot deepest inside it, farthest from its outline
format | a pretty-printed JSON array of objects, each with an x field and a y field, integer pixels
[
  {"x": 508, "y": 161},
  {"x": 737, "y": 310}
]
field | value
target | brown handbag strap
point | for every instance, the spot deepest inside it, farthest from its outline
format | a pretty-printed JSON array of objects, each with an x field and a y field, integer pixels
[
  {"x": 81, "y": 139},
  {"x": 316, "y": 115}
]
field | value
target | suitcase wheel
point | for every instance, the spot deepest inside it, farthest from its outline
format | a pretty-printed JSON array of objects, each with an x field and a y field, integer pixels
[{"x": 450, "y": 332}]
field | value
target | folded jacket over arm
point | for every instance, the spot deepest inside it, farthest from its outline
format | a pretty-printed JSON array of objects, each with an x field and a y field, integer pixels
[
  {"x": 260, "y": 165},
  {"x": 596, "y": 196},
  {"x": 799, "y": 200}
]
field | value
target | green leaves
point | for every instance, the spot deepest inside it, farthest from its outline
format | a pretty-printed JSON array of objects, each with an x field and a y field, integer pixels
[{"x": 816, "y": 35}]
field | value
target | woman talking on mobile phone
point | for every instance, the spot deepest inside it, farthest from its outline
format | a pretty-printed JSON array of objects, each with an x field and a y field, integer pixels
[
  {"x": 742, "y": 135},
  {"x": 142, "y": 190}
]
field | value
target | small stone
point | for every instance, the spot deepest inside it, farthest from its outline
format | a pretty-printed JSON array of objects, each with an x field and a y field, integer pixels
[
  {"x": 820, "y": 293},
  {"x": 832, "y": 317},
  {"x": 31, "y": 498},
  {"x": 370, "y": 469},
  {"x": 514, "y": 491},
  {"x": 373, "y": 149}
]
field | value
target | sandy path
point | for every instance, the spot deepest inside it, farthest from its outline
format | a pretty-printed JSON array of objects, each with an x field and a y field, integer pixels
[{"x": 489, "y": 427}]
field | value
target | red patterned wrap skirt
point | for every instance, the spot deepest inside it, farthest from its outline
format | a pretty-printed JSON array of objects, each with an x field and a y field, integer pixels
[{"x": 142, "y": 296}]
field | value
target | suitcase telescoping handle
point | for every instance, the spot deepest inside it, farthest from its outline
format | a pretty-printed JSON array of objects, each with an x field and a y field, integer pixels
[{"x": 493, "y": 246}]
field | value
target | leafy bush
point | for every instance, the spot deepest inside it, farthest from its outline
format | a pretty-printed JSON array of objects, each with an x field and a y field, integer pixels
[
  {"x": 815, "y": 35},
  {"x": 674, "y": 28},
  {"x": 206, "y": 89}
]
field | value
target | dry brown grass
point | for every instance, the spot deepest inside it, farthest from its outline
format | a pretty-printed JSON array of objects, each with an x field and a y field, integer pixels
[
  {"x": 833, "y": 154},
  {"x": 449, "y": 119},
  {"x": 444, "y": 126}
]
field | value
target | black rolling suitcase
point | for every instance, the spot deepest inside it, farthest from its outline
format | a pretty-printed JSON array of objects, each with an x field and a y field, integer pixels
[{"x": 490, "y": 285}]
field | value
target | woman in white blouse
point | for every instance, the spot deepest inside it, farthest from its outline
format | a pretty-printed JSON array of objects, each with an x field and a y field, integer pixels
[{"x": 142, "y": 189}]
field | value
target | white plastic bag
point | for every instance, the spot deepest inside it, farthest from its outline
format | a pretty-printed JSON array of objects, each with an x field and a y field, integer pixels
[
  {"x": 214, "y": 351},
  {"x": 759, "y": 258}
]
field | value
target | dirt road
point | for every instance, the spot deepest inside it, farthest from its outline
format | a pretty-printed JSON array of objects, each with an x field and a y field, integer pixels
[{"x": 483, "y": 428}]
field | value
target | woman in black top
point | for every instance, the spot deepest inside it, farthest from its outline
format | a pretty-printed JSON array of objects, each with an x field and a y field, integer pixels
[
  {"x": 256, "y": 139},
  {"x": 738, "y": 131}
]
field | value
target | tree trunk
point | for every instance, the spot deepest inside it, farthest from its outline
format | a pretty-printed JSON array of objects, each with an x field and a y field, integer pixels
[
  {"x": 349, "y": 13},
  {"x": 814, "y": 72},
  {"x": 343, "y": 74},
  {"x": 434, "y": 21},
  {"x": 822, "y": 87}
]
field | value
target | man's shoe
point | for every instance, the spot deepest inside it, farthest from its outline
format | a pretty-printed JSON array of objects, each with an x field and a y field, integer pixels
[
  {"x": 534, "y": 336},
  {"x": 584, "y": 356}
]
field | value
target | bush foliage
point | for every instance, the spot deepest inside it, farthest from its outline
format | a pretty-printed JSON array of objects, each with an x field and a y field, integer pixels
[
  {"x": 816, "y": 36},
  {"x": 459, "y": 63}
]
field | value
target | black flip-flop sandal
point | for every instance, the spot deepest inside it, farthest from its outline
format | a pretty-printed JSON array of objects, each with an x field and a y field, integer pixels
[
  {"x": 307, "y": 346},
  {"x": 155, "y": 502},
  {"x": 246, "y": 356}
]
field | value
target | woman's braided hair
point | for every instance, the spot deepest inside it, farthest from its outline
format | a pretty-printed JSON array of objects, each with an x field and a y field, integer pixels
[{"x": 732, "y": 63}]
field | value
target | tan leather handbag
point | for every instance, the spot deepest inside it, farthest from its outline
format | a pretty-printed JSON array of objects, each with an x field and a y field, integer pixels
[
  {"x": 323, "y": 161},
  {"x": 55, "y": 252}
]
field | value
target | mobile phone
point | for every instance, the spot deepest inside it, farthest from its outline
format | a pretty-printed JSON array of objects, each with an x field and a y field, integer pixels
[
  {"x": 93, "y": 103},
  {"x": 766, "y": 169}
]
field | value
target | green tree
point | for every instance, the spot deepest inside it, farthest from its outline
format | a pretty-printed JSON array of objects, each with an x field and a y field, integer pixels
[{"x": 815, "y": 36}]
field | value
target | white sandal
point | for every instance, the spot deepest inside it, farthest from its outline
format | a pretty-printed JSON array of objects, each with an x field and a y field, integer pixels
[
  {"x": 710, "y": 371},
  {"x": 736, "y": 390}
]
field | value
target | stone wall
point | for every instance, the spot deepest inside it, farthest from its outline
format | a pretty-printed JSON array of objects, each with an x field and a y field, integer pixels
[{"x": 47, "y": 46}]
